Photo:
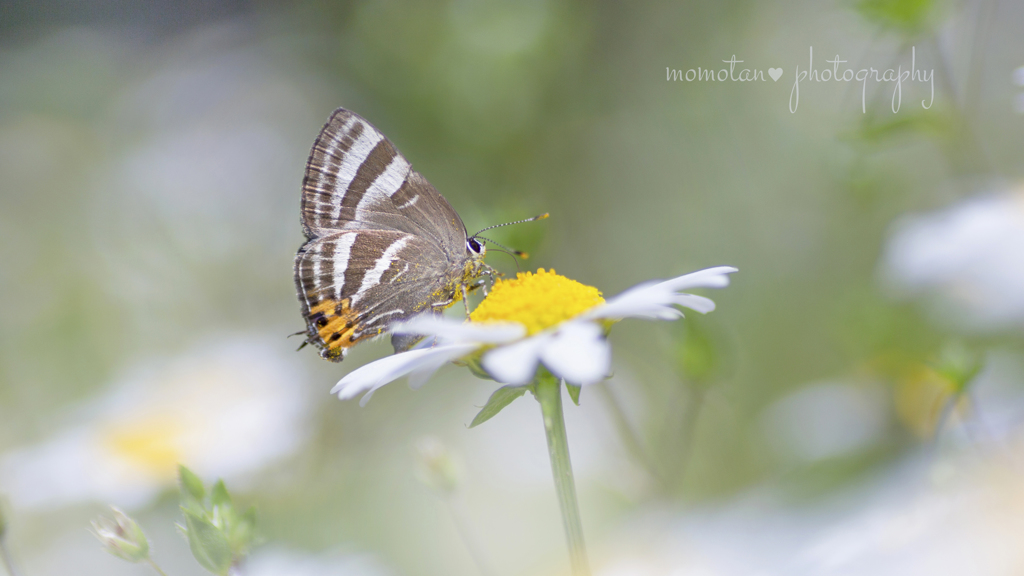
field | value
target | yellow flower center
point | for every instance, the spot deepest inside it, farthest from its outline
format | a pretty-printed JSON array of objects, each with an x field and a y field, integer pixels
[
  {"x": 151, "y": 446},
  {"x": 537, "y": 301}
]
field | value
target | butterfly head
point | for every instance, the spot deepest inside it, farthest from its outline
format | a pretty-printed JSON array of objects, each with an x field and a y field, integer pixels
[
  {"x": 477, "y": 249},
  {"x": 475, "y": 267}
]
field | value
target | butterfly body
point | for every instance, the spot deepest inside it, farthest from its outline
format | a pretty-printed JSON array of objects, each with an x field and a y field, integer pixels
[{"x": 382, "y": 244}]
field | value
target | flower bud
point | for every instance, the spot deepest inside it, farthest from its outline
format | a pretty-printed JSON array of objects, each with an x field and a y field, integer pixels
[{"x": 122, "y": 537}]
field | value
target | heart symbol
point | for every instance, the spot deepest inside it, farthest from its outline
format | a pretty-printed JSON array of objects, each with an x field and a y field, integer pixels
[{"x": 775, "y": 73}]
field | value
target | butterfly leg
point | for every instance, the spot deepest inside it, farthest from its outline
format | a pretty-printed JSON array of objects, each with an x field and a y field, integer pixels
[
  {"x": 490, "y": 273},
  {"x": 465, "y": 299},
  {"x": 480, "y": 283}
]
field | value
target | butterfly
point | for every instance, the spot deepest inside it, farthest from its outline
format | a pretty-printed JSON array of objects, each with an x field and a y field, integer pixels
[{"x": 382, "y": 244}]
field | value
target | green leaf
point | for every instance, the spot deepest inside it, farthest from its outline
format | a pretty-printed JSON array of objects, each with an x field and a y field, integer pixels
[
  {"x": 248, "y": 518},
  {"x": 219, "y": 495},
  {"x": 959, "y": 364},
  {"x": 243, "y": 532},
  {"x": 929, "y": 123},
  {"x": 574, "y": 393},
  {"x": 496, "y": 403},
  {"x": 903, "y": 15},
  {"x": 208, "y": 543},
  {"x": 190, "y": 485},
  {"x": 696, "y": 356}
]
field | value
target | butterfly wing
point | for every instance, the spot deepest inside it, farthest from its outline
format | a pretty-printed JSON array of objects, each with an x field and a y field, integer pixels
[
  {"x": 355, "y": 284},
  {"x": 357, "y": 180},
  {"x": 383, "y": 244}
]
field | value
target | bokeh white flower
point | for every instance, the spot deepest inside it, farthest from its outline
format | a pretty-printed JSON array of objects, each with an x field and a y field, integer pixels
[
  {"x": 967, "y": 259},
  {"x": 226, "y": 409},
  {"x": 276, "y": 561},
  {"x": 543, "y": 319}
]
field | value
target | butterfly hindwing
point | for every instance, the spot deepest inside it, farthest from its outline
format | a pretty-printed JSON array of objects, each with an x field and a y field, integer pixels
[{"x": 355, "y": 284}]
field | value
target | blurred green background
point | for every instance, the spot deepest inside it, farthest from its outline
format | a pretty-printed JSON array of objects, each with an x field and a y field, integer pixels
[{"x": 151, "y": 156}]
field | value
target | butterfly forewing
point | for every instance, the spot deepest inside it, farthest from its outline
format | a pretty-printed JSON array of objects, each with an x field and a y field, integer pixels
[{"x": 356, "y": 179}]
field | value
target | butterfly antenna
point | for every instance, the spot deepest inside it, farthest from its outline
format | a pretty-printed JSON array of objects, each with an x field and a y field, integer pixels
[
  {"x": 534, "y": 219},
  {"x": 506, "y": 250},
  {"x": 512, "y": 253}
]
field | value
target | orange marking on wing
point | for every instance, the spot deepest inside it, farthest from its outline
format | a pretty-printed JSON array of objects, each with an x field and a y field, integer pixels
[{"x": 336, "y": 323}]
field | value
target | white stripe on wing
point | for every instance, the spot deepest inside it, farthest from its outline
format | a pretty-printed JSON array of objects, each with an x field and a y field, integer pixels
[
  {"x": 409, "y": 203},
  {"x": 386, "y": 184},
  {"x": 350, "y": 164},
  {"x": 342, "y": 250},
  {"x": 372, "y": 276},
  {"x": 330, "y": 149}
]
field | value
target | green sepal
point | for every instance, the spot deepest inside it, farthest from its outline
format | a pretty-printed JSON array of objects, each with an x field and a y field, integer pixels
[
  {"x": 473, "y": 363},
  {"x": 574, "y": 392},
  {"x": 501, "y": 398},
  {"x": 208, "y": 543},
  {"x": 191, "y": 487}
]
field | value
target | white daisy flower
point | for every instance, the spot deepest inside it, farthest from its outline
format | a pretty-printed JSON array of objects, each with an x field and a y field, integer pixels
[
  {"x": 966, "y": 260},
  {"x": 276, "y": 561},
  {"x": 225, "y": 410},
  {"x": 541, "y": 319}
]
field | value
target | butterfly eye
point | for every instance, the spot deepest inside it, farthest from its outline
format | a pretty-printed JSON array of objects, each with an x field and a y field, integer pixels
[{"x": 474, "y": 245}]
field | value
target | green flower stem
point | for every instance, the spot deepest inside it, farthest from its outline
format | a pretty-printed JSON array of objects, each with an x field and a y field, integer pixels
[
  {"x": 152, "y": 563},
  {"x": 548, "y": 391}
]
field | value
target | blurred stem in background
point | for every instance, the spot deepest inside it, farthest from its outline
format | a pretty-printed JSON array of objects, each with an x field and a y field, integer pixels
[
  {"x": 441, "y": 471},
  {"x": 548, "y": 391},
  {"x": 629, "y": 435},
  {"x": 921, "y": 20},
  {"x": 5, "y": 552},
  {"x": 695, "y": 352},
  {"x": 959, "y": 366},
  {"x": 468, "y": 534},
  {"x": 682, "y": 435}
]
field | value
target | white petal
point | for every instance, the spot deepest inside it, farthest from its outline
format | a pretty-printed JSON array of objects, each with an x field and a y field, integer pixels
[
  {"x": 694, "y": 302},
  {"x": 637, "y": 301},
  {"x": 423, "y": 373},
  {"x": 372, "y": 376},
  {"x": 579, "y": 353},
  {"x": 655, "y": 299},
  {"x": 708, "y": 278},
  {"x": 646, "y": 302},
  {"x": 515, "y": 363},
  {"x": 452, "y": 331}
]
